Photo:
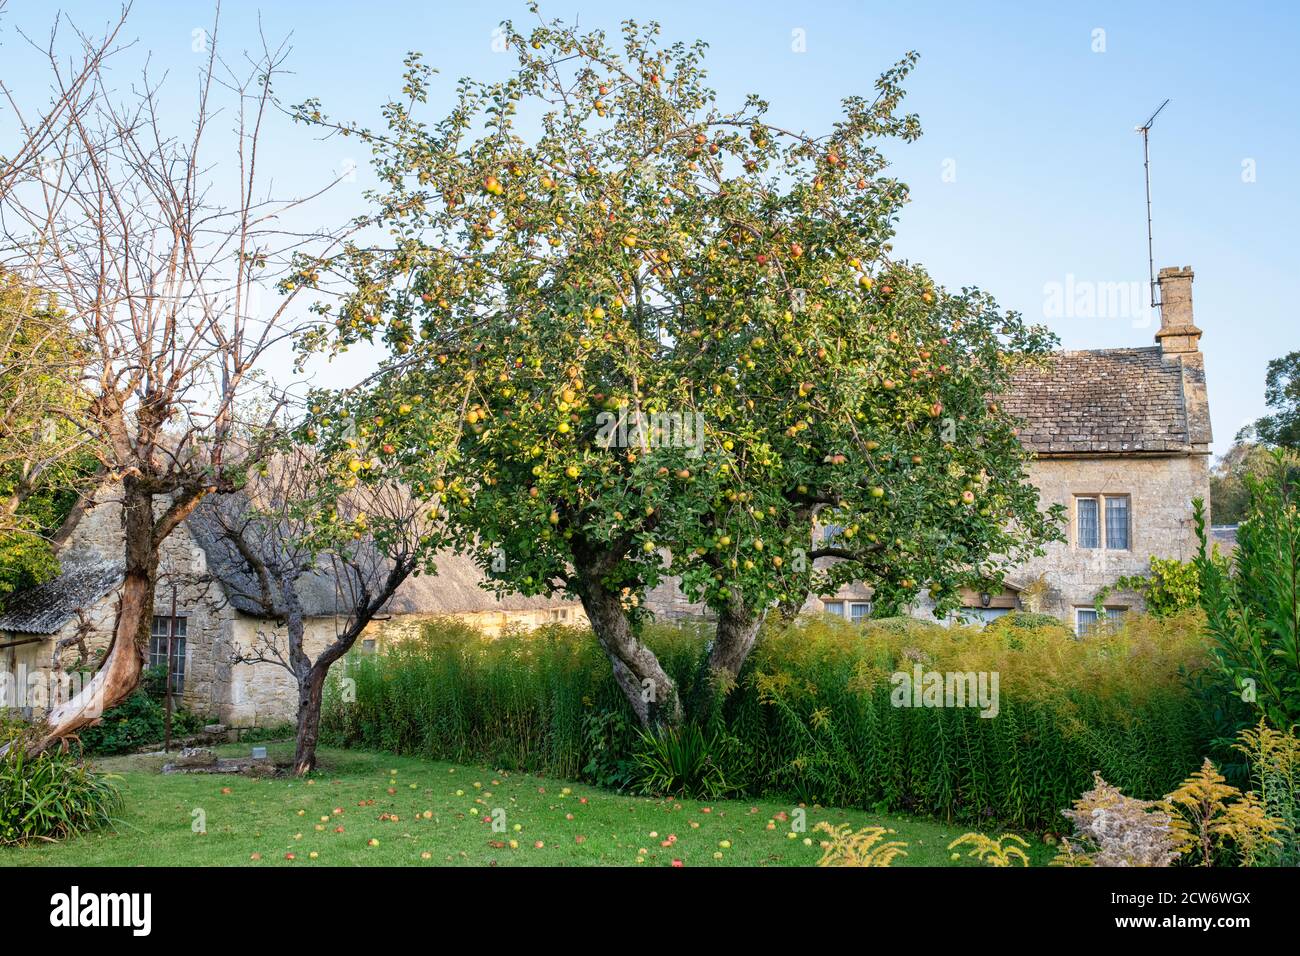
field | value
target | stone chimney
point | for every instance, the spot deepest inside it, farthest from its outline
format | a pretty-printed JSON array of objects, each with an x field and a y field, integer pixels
[
  {"x": 1179, "y": 341},
  {"x": 1178, "y": 333}
]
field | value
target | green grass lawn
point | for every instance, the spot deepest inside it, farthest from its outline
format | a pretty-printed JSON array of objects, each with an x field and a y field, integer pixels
[{"x": 440, "y": 812}]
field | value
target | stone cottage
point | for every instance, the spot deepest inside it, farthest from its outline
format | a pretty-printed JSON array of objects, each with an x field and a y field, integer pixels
[
  {"x": 1121, "y": 438},
  {"x": 215, "y": 618}
]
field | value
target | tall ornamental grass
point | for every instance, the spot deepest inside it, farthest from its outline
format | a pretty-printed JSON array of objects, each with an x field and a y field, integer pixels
[
  {"x": 52, "y": 796},
  {"x": 811, "y": 716}
]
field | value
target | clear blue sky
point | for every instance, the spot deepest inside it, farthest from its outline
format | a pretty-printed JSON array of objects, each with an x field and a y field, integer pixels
[{"x": 1015, "y": 99}]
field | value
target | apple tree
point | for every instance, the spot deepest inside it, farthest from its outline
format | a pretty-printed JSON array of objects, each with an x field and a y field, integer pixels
[
  {"x": 331, "y": 505},
  {"x": 688, "y": 347}
]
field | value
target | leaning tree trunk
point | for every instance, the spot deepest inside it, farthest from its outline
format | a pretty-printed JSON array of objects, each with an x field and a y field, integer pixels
[
  {"x": 311, "y": 692},
  {"x": 648, "y": 688},
  {"x": 120, "y": 673}
]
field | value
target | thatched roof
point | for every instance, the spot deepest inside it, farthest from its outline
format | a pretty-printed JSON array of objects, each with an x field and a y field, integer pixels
[
  {"x": 46, "y": 608},
  {"x": 455, "y": 589},
  {"x": 317, "y": 591}
]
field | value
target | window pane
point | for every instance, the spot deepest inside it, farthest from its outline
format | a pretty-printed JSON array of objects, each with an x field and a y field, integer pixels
[
  {"x": 1086, "y": 619},
  {"x": 162, "y": 625},
  {"x": 158, "y": 649},
  {"x": 1117, "y": 523},
  {"x": 834, "y": 607},
  {"x": 831, "y": 532},
  {"x": 178, "y": 664},
  {"x": 859, "y": 612},
  {"x": 1089, "y": 530}
]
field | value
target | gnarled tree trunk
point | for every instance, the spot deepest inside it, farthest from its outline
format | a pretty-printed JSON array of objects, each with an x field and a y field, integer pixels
[
  {"x": 310, "y": 677},
  {"x": 644, "y": 682},
  {"x": 734, "y": 637},
  {"x": 737, "y": 630}
]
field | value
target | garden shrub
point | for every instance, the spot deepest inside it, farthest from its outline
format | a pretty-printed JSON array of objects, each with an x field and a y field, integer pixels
[
  {"x": 52, "y": 796},
  {"x": 1274, "y": 761},
  {"x": 1252, "y": 600},
  {"x": 1111, "y": 829},
  {"x": 1027, "y": 619},
  {"x": 683, "y": 761},
  {"x": 811, "y": 715},
  {"x": 868, "y": 846},
  {"x": 139, "y": 721},
  {"x": 1205, "y": 821}
]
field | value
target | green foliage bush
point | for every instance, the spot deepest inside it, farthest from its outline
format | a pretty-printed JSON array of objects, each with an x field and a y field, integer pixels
[
  {"x": 52, "y": 796},
  {"x": 256, "y": 735},
  {"x": 1028, "y": 619},
  {"x": 811, "y": 715},
  {"x": 1252, "y": 600},
  {"x": 139, "y": 721},
  {"x": 1274, "y": 761},
  {"x": 683, "y": 761},
  {"x": 1170, "y": 587}
]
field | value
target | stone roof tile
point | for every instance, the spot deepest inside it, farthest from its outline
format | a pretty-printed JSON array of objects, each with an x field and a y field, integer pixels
[
  {"x": 46, "y": 608},
  {"x": 1103, "y": 400}
]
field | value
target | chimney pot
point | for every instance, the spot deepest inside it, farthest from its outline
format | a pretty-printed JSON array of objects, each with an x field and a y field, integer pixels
[{"x": 1178, "y": 333}]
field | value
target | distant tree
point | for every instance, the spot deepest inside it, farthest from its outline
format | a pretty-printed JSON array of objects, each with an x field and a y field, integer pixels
[
  {"x": 1229, "y": 494},
  {"x": 1281, "y": 392},
  {"x": 44, "y": 458}
]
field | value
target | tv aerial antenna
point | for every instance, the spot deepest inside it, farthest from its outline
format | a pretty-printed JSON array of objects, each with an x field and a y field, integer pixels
[{"x": 1145, "y": 130}]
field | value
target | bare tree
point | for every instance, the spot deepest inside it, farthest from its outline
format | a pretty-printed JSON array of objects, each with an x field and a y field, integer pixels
[
  {"x": 38, "y": 128},
  {"x": 296, "y": 531},
  {"x": 167, "y": 264},
  {"x": 41, "y": 361}
]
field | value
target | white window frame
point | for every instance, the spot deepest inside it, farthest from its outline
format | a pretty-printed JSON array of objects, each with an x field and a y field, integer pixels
[
  {"x": 864, "y": 606},
  {"x": 1106, "y": 612},
  {"x": 1102, "y": 543},
  {"x": 833, "y": 607}
]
